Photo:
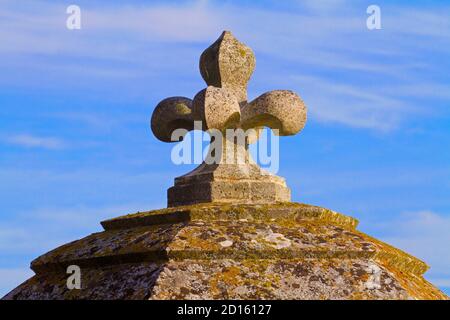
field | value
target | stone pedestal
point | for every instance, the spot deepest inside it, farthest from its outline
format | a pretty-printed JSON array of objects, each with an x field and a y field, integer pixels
[
  {"x": 241, "y": 182},
  {"x": 213, "y": 183}
]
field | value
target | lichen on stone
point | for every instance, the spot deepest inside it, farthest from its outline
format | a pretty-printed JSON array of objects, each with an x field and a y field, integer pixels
[{"x": 290, "y": 251}]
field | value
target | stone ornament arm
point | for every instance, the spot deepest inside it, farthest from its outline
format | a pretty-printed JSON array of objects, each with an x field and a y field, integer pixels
[
  {"x": 216, "y": 108},
  {"x": 283, "y": 110},
  {"x": 171, "y": 114}
]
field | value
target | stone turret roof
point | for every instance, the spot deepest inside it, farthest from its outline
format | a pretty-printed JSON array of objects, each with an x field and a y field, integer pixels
[{"x": 210, "y": 251}]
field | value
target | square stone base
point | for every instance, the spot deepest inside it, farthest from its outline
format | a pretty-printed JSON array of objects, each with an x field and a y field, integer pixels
[{"x": 228, "y": 191}]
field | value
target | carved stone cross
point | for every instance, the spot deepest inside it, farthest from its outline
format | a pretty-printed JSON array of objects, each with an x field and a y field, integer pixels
[{"x": 226, "y": 66}]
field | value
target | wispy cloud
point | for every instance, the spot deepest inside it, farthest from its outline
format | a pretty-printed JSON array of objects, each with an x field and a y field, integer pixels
[
  {"x": 31, "y": 141},
  {"x": 192, "y": 22},
  {"x": 352, "y": 105},
  {"x": 140, "y": 44}
]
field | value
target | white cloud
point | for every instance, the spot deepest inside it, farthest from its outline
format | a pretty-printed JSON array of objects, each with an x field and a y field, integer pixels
[
  {"x": 170, "y": 23},
  {"x": 43, "y": 30},
  {"x": 141, "y": 44},
  {"x": 424, "y": 234},
  {"x": 422, "y": 22},
  {"x": 351, "y": 105},
  {"x": 30, "y": 141}
]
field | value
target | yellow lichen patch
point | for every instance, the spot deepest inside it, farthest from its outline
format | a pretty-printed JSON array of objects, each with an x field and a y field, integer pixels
[
  {"x": 228, "y": 276},
  {"x": 182, "y": 108},
  {"x": 189, "y": 238},
  {"x": 397, "y": 258},
  {"x": 416, "y": 285}
]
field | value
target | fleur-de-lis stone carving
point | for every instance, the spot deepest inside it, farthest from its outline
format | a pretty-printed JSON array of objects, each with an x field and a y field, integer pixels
[{"x": 226, "y": 66}]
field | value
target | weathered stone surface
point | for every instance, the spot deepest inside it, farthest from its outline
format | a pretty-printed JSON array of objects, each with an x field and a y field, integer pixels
[
  {"x": 277, "y": 279},
  {"x": 279, "y": 251},
  {"x": 226, "y": 66},
  {"x": 217, "y": 108},
  {"x": 130, "y": 281},
  {"x": 280, "y": 109},
  {"x": 212, "y": 183},
  {"x": 171, "y": 114}
]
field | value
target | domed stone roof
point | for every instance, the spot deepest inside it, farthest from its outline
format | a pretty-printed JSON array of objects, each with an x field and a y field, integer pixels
[{"x": 211, "y": 251}]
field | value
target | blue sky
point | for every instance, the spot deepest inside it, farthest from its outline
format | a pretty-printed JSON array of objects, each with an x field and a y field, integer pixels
[{"x": 75, "y": 143}]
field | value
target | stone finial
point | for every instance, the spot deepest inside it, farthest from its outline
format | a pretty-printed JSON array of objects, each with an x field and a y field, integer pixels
[{"x": 226, "y": 66}]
